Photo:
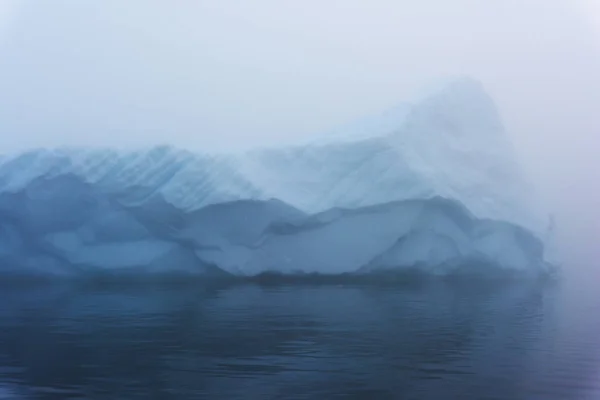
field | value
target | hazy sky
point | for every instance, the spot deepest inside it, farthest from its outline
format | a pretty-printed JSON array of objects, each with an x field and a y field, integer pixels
[{"x": 201, "y": 73}]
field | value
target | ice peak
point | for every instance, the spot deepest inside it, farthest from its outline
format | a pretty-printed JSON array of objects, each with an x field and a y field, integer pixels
[
  {"x": 460, "y": 107},
  {"x": 448, "y": 85}
]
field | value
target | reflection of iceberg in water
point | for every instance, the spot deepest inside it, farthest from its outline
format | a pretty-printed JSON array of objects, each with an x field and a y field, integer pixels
[
  {"x": 8, "y": 392},
  {"x": 278, "y": 340}
]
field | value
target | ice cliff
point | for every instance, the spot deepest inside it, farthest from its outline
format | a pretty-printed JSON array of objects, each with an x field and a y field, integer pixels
[{"x": 433, "y": 185}]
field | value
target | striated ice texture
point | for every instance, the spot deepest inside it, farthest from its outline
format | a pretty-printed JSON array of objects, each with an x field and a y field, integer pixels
[{"x": 433, "y": 186}]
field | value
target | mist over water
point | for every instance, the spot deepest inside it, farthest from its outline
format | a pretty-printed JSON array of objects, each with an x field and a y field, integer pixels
[{"x": 214, "y": 76}]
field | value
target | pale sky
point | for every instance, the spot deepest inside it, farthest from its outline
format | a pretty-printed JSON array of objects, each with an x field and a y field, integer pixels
[{"x": 215, "y": 73}]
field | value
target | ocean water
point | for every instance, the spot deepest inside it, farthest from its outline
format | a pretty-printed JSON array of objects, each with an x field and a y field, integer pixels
[{"x": 421, "y": 340}]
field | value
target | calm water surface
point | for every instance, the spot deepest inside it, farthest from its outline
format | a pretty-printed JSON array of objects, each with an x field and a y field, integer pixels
[{"x": 321, "y": 341}]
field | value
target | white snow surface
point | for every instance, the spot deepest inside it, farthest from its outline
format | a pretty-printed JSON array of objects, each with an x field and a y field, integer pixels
[{"x": 450, "y": 144}]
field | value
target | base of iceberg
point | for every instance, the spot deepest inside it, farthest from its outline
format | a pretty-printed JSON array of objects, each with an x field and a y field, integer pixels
[{"x": 66, "y": 227}]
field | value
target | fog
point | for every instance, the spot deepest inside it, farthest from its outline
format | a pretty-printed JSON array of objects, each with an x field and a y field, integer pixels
[{"x": 214, "y": 74}]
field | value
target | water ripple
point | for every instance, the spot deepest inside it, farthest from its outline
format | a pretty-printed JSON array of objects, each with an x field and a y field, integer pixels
[{"x": 439, "y": 341}]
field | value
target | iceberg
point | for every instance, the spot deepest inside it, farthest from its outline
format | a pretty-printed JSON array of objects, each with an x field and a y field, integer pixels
[{"x": 432, "y": 186}]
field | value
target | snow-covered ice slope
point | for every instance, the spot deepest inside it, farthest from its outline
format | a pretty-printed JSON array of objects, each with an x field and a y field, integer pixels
[
  {"x": 451, "y": 144},
  {"x": 350, "y": 200}
]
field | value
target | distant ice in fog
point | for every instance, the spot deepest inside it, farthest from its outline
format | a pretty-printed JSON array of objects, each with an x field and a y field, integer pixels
[{"x": 435, "y": 187}]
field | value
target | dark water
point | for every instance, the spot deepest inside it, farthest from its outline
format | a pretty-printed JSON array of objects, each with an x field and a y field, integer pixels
[{"x": 326, "y": 341}]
